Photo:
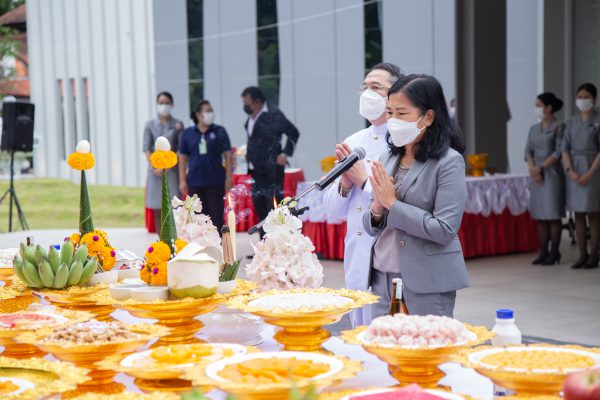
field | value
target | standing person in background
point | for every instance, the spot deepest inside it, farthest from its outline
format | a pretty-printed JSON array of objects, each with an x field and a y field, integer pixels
[
  {"x": 266, "y": 157},
  {"x": 547, "y": 186},
  {"x": 581, "y": 159},
  {"x": 348, "y": 198},
  {"x": 205, "y": 151},
  {"x": 171, "y": 128}
]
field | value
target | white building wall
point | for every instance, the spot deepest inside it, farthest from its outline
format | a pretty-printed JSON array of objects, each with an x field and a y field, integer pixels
[
  {"x": 230, "y": 61},
  {"x": 111, "y": 43},
  {"x": 522, "y": 82}
]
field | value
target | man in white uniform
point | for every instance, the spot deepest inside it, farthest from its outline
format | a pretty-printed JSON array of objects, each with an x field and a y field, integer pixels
[{"x": 348, "y": 198}]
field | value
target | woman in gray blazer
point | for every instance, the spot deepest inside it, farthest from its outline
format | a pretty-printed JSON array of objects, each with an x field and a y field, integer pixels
[{"x": 419, "y": 194}]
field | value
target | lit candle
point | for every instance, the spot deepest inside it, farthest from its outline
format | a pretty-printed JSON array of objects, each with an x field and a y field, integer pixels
[{"x": 231, "y": 224}]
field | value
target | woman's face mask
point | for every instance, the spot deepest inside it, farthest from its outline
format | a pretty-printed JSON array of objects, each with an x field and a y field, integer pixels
[
  {"x": 208, "y": 117},
  {"x": 403, "y": 132},
  {"x": 163, "y": 109},
  {"x": 584, "y": 104}
]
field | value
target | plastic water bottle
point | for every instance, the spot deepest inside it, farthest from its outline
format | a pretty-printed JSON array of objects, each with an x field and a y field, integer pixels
[
  {"x": 506, "y": 333},
  {"x": 505, "y": 329}
]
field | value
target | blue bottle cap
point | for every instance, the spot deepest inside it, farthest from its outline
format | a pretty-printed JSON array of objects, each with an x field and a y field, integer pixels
[
  {"x": 504, "y": 313},
  {"x": 56, "y": 246}
]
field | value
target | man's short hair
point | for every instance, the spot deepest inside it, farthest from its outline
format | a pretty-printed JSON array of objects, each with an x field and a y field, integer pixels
[
  {"x": 255, "y": 93},
  {"x": 392, "y": 69}
]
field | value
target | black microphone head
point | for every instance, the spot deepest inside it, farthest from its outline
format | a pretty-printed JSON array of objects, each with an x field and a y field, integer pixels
[{"x": 360, "y": 152}]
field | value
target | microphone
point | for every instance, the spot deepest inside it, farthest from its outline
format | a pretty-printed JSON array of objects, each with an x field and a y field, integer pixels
[{"x": 341, "y": 167}]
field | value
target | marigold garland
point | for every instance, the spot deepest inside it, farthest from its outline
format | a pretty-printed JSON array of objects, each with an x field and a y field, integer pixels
[
  {"x": 180, "y": 244},
  {"x": 98, "y": 246},
  {"x": 81, "y": 162},
  {"x": 161, "y": 159},
  {"x": 154, "y": 270},
  {"x": 159, "y": 274}
]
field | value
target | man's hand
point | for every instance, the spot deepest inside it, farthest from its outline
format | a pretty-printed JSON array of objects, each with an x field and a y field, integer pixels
[
  {"x": 157, "y": 172},
  {"x": 356, "y": 175},
  {"x": 282, "y": 159}
]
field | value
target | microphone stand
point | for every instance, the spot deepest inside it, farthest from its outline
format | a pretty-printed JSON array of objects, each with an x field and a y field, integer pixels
[{"x": 294, "y": 210}]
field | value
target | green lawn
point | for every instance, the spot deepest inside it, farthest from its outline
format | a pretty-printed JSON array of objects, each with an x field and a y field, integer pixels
[{"x": 54, "y": 204}]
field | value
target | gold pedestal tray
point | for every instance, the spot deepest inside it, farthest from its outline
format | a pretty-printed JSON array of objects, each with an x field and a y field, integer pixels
[
  {"x": 16, "y": 297},
  {"x": 14, "y": 349},
  {"x": 415, "y": 364},
  {"x": 38, "y": 377},
  {"x": 302, "y": 329},
  {"x": 540, "y": 380},
  {"x": 80, "y": 298},
  {"x": 340, "y": 368},
  {"x": 177, "y": 315},
  {"x": 87, "y": 355}
]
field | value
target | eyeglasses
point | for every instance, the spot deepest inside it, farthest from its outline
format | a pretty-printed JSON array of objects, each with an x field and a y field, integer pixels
[{"x": 374, "y": 87}]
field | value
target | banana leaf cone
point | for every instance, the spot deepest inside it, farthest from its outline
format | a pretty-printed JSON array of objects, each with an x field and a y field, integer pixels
[
  {"x": 86, "y": 224},
  {"x": 168, "y": 231}
]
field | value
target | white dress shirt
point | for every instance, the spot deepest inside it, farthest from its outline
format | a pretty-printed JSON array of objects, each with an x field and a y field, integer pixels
[
  {"x": 357, "y": 246},
  {"x": 252, "y": 121}
]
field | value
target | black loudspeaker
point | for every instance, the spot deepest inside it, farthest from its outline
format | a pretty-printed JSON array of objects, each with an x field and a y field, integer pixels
[{"x": 17, "y": 126}]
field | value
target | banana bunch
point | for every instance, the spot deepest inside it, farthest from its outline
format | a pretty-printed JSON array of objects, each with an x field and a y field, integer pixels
[{"x": 54, "y": 269}]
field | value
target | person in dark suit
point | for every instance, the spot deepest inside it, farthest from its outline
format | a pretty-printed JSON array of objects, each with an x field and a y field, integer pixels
[{"x": 266, "y": 156}]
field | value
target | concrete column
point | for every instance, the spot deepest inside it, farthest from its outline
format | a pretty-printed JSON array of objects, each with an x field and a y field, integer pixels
[{"x": 481, "y": 78}]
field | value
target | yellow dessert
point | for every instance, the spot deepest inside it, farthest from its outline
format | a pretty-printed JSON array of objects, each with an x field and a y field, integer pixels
[
  {"x": 7, "y": 387},
  {"x": 273, "y": 370},
  {"x": 187, "y": 354},
  {"x": 539, "y": 359}
]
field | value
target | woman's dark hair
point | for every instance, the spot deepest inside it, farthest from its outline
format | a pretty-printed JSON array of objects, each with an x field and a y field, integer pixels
[
  {"x": 425, "y": 93},
  {"x": 167, "y": 95},
  {"x": 588, "y": 87},
  {"x": 550, "y": 99},
  {"x": 198, "y": 109}
]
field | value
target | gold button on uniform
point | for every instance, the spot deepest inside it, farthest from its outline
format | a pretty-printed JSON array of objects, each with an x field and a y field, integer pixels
[
  {"x": 402, "y": 244},
  {"x": 359, "y": 209},
  {"x": 359, "y": 233}
]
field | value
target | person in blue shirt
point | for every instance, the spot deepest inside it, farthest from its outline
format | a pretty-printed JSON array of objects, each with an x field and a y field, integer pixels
[{"x": 205, "y": 154}]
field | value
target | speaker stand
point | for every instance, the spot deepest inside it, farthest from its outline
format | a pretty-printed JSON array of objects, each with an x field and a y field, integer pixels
[{"x": 12, "y": 193}]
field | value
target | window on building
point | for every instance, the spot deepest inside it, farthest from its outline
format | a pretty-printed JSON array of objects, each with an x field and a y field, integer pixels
[
  {"x": 268, "y": 49},
  {"x": 62, "y": 139},
  {"x": 195, "y": 51},
  {"x": 373, "y": 40},
  {"x": 73, "y": 134},
  {"x": 85, "y": 111}
]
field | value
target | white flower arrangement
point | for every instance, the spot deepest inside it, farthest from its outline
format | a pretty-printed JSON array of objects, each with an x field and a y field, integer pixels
[
  {"x": 285, "y": 258},
  {"x": 192, "y": 226}
]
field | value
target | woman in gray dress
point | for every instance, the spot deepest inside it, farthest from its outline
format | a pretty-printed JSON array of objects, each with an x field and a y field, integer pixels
[
  {"x": 547, "y": 187},
  {"x": 163, "y": 125},
  {"x": 581, "y": 159}
]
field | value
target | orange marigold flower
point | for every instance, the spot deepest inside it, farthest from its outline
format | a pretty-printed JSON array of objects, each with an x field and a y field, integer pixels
[
  {"x": 81, "y": 161},
  {"x": 75, "y": 239},
  {"x": 161, "y": 159},
  {"x": 157, "y": 252},
  {"x": 94, "y": 242},
  {"x": 145, "y": 274},
  {"x": 109, "y": 258},
  {"x": 180, "y": 244},
  {"x": 159, "y": 274}
]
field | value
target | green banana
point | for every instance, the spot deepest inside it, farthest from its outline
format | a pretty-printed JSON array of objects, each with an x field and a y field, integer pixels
[
  {"x": 60, "y": 279},
  {"x": 40, "y": 253},
  {"x": 18, "y": 268},
  {"x": 46, "y": 274},
  {"x": 75, "y": 273},
  {"x": 54, "y": 259},
  {"x": 88, "y": 270},
  {"x": 33, "y": 277},
  {"x": 28, "y": 253},
  {"x": 66, "y": 253},
  {"x": 81, "y": 254}
]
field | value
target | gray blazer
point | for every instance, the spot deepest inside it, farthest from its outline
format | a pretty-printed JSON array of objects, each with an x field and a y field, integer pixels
[{"x": 425, "y": 219}]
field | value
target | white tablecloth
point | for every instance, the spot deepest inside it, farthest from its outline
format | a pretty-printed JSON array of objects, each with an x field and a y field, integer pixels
[
  {"x": 462, "y": 380},
  {"x": 485, "y": 195}
]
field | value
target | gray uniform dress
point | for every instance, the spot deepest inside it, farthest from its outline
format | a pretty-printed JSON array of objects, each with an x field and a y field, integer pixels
[
  {"x": 172, "y": 131},
  {"x": 582, "y": 141},
  {"x": 547, "y": 200}
]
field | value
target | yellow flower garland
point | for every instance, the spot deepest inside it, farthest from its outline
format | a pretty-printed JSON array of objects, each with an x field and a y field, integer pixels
[
  {"x": 161, "y": 159},
  {"x": 81, "y": 161},
  {"x": 180, "y": 244}
]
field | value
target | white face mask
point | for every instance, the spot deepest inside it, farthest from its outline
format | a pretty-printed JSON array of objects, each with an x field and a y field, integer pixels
[
  {"x": 372, "y": 105},
  {"x": 584, "y": 104},
  {"x": 163, "y": 109},
  {"x": 539, "y": 112},
  {"x": 452, "y": 111},
  {"x": 403, "y": 132},
  {"x": 208, "y": 117}
]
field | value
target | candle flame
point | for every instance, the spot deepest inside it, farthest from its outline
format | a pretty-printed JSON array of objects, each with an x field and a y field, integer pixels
[{"x": 274, "y": 202}]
